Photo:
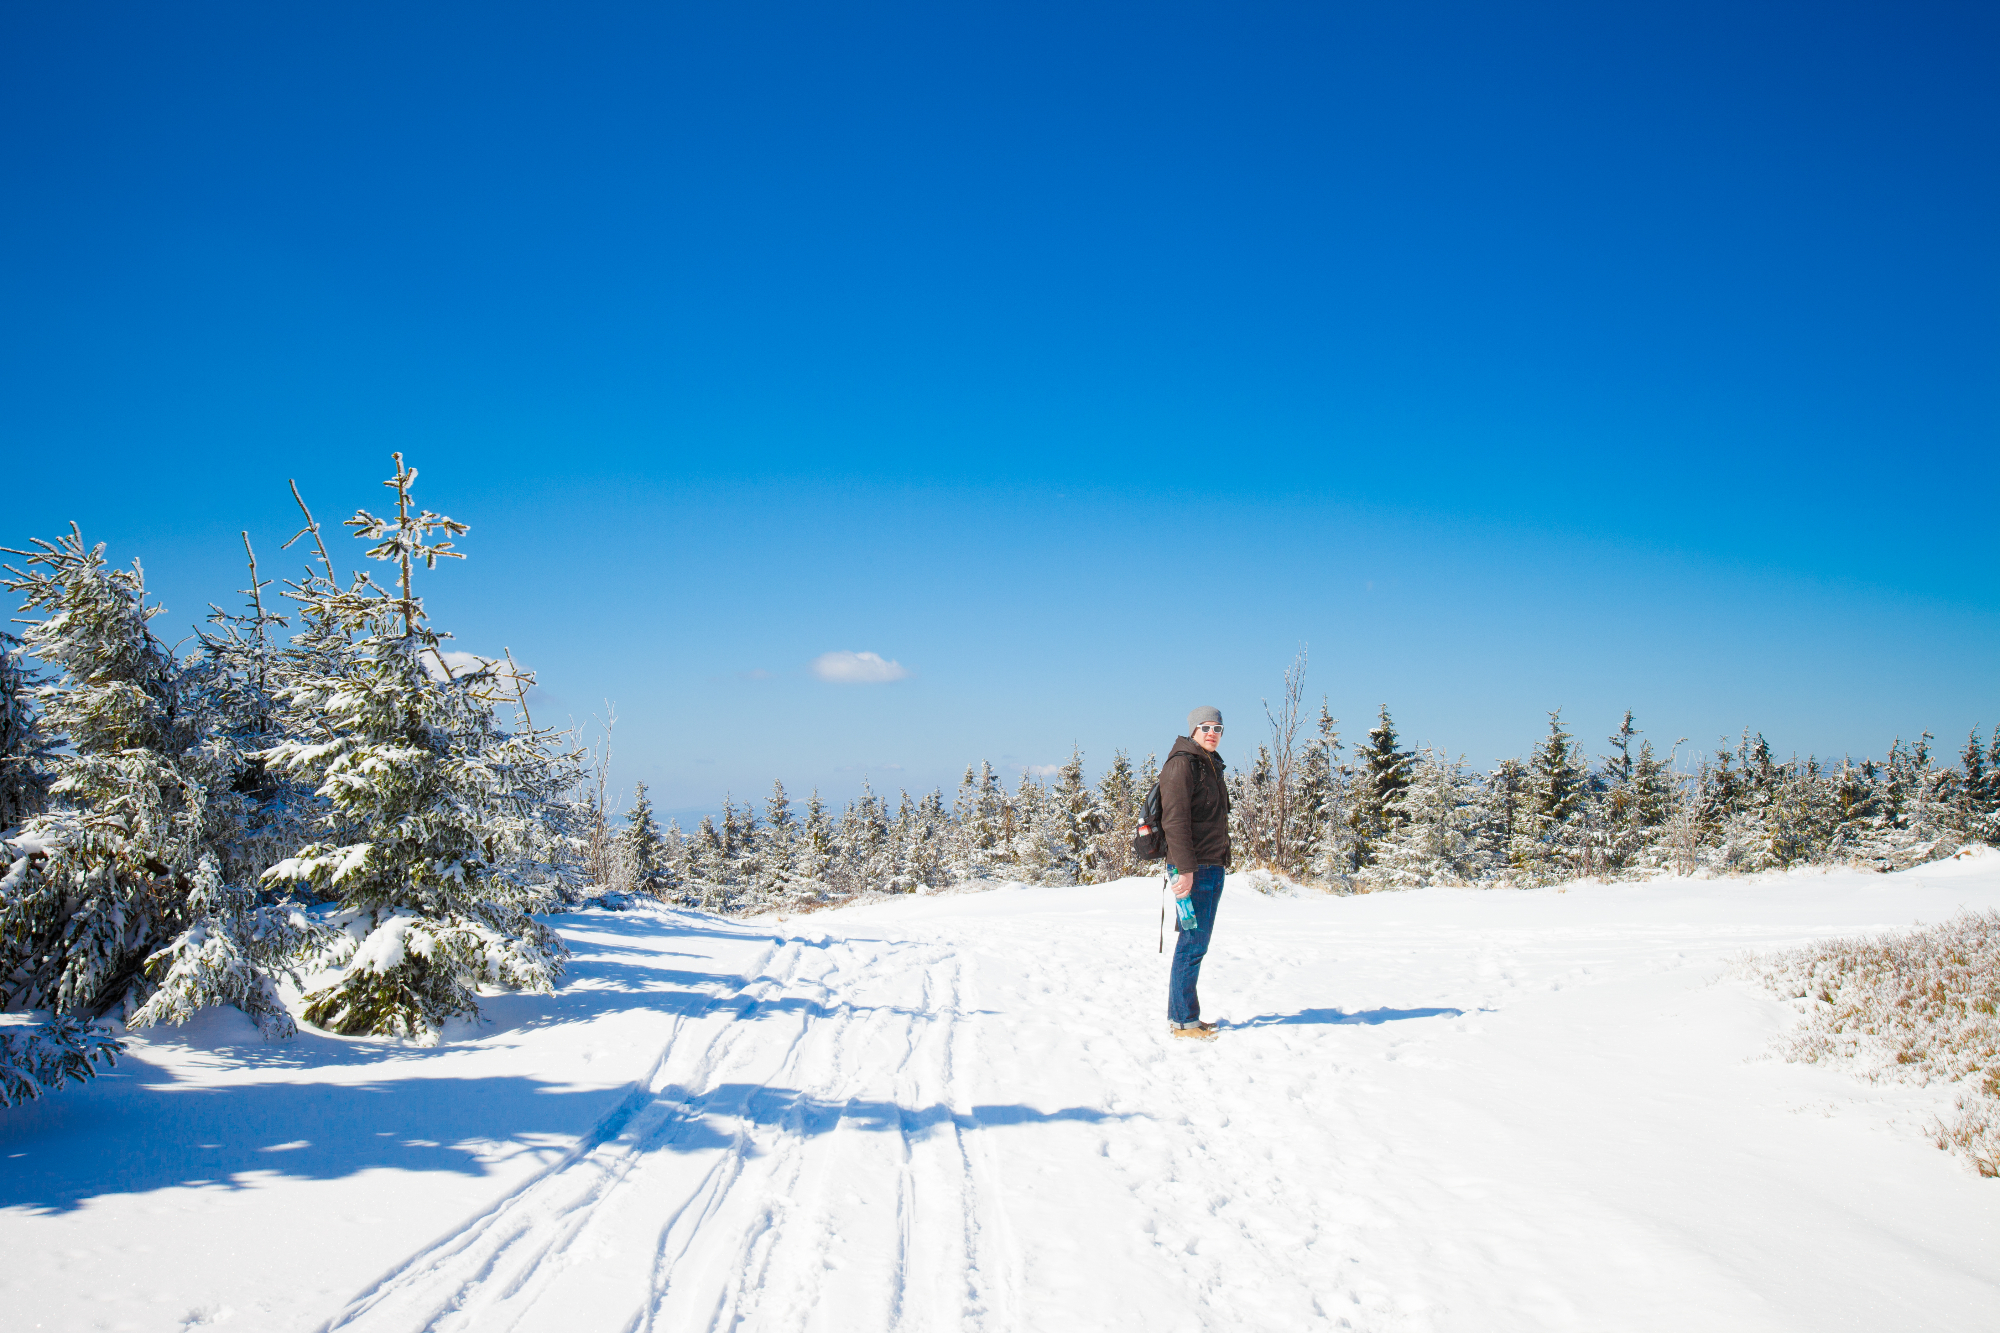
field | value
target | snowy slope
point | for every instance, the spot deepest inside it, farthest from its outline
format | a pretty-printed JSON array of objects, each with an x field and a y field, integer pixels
[{"x": 1447, "y": 1109}]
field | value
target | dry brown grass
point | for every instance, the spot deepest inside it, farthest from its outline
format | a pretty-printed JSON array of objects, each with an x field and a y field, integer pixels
[{"x": 1921, "y": 1007}]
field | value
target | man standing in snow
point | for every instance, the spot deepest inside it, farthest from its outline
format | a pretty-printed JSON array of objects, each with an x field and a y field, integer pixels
[{"x": 1194, "y": 811}]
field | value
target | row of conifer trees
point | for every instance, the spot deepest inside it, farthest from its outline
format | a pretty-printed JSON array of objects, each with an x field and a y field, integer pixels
[
  {"x": 320, "y": 791},
  {"x": 1375, "y": 817}
]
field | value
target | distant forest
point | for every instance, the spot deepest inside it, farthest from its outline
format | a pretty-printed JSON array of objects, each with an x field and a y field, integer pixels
[{"x": 1353, "y": 820}]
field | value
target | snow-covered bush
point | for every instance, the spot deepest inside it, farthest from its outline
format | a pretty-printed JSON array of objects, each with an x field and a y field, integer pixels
[{"x": 1921, "y": 1007}]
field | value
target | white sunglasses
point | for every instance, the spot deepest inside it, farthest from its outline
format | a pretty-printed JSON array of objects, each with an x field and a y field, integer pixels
[{"x": 1215, "y": 727}]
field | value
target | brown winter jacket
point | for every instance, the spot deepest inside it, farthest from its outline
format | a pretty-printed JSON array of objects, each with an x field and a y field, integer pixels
[{"x": 1194, "y": 807}]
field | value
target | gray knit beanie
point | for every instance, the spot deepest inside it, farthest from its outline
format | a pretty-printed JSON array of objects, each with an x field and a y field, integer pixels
[{"x": 1201, "y": 715}]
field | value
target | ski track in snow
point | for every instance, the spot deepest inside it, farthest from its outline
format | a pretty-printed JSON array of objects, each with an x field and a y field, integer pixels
[{"x": 755, "y": 1181}]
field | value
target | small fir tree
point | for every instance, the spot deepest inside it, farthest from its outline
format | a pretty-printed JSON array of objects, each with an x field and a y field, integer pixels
[
  {"x": 437, "y": 843},
  {"x": 812, "y": 860},
  {"x": 1119, "y": 797},
  {"x": 645, "y": 845},
  {"x": 1078, "y": 821},
  {"x": 1383, "y": 773}
]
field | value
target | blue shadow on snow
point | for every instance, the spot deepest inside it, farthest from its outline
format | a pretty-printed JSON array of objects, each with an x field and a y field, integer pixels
[{"x": 1340, "y": 1016}]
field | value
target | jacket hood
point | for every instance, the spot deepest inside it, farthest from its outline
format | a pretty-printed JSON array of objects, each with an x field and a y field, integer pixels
[{"x": 1182, "y": 745}]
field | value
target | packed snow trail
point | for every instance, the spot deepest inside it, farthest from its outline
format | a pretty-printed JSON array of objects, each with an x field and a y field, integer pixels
[
  {"x": 1438, "y": 1110},
  {"x": 799, "y": 1163}
]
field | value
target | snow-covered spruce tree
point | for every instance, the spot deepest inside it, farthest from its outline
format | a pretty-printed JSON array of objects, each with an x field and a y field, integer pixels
[
  {"x": 25, "y": 752},
  {"x": 918, "y": 841},
  {"x": 1438, "y": 837},
  {"x": 99, "y": 882},
  {"x": 812, "y": 855},
  {"x": 740, "y": 843},
  {"x": 118, "y": 892},
  {"x": 1550, "y": 831},
  {"x": 1803, "y": 814},
  {"x": 979, "y": 846},
  {"x": 34, "y": 1058},
  {"x": 644, "y": 845},
  {"x": 1383, "y": 773},
  {"x": 1077, "y": 822},
  {"x": 1979, "y": 790},
  {"x": 437, "y": 840},
  {"x": 864, "y": 854},
  {"x": 1315, "y": 785},
  {"x": 1119, "y": 797},
  {"x": 708, "y": 875},
  {"x": 676, "y": 866},
  {"x": 775, "y": 847},
  {"x": 1027, "y": 853}
]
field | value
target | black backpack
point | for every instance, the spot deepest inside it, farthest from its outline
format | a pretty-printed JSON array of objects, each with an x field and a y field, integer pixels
[{"x": 1149, "y": 842}]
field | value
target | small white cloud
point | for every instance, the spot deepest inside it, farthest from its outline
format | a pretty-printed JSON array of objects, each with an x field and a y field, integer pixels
[
  {"x": 1044, "y": 770},
  {"x": 845, "y": 668},
  {"x": 461, "y": 662},
  {"x": 501, "y": 679}
]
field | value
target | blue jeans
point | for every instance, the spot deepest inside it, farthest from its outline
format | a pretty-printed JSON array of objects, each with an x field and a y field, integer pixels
[{"x": 1183, "y": 1005}]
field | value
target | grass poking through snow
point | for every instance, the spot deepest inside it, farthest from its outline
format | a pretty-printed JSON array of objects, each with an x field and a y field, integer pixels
[{"x": 1922, "y": 1007}]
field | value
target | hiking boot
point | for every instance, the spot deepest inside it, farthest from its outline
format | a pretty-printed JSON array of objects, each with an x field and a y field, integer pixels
[{"x": 1197, "y": 1031}]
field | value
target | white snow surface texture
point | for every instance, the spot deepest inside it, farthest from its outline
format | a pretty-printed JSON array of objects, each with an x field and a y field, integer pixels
[{"x": 1441, "y": 1109}]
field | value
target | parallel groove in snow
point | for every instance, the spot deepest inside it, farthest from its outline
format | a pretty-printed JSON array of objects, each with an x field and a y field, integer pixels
[{"x": 728, "y": 1162}]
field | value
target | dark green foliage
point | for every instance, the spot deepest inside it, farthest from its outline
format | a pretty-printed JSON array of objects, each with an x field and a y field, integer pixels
[
  {"x": 1382, "y": 773},
  {"x": 42, "y": 1057}
]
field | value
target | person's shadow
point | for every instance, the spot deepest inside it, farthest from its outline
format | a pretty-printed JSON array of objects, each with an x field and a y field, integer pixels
[{"x": 1341, "y": 1016}]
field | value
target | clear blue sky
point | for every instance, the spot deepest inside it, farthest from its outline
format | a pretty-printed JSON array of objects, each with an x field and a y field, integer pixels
[{"x": 1084, "y": 359}]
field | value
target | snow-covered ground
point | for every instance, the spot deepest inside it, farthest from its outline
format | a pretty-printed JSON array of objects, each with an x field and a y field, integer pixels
[{"x": 1446, "y": 1109}]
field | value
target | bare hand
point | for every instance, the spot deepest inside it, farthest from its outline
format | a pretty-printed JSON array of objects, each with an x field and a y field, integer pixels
[{"x": 1184, "y": 885}]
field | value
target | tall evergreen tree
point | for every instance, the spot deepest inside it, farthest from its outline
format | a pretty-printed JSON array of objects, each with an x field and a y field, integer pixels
[
  {"x": 1078, "y": 820},
  {"x": 1556, "y": 829},
  {"x": 1035, "y": 848},
  {"x": 645, "y": 845},
  {"x": 1383, "y": 773},
  {"x": 774, "y": 844},
  {"x": 1316, "y": 802},
  {"x": 1506, "y": 803},
  {"x": 812, "y": 861},
  {"x": 1119, "y": 797},
  {"x": 437, "y": 843}
]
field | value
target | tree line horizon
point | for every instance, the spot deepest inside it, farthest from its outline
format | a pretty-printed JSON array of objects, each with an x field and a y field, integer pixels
[
  {"x": 322, "y": 810},
  {"x": 1370, "y": 817}
]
